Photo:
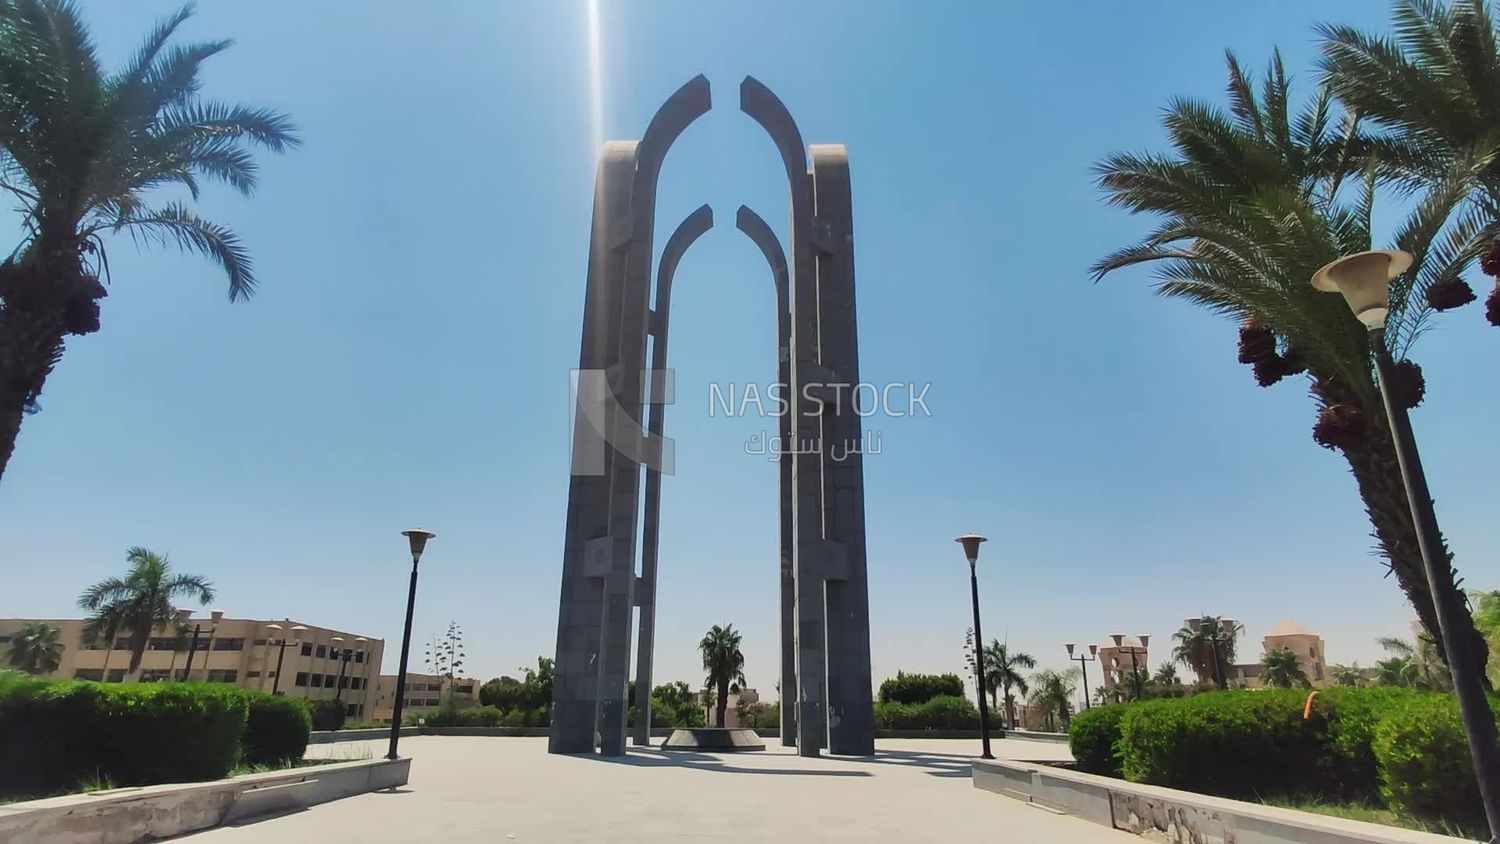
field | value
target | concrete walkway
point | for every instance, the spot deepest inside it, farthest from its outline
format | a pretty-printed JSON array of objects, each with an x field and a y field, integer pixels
[{"x": 510, "y": 789}]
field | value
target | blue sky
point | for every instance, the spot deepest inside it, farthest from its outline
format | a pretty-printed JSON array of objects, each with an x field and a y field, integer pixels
[{"x": 422, "y": 265}]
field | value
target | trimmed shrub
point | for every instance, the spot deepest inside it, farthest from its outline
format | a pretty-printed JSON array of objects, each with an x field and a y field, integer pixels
[
  {"x": 1231, "y": 743},
  {"x": 945, "y": 712},
  {"x": 328, "y": 714},
  {"x": 276, "y": 729},
  {"x": 479, "y": 716},
  {"x": 1351, "y": 770},
  {"x": 1425, "y": 768},
  {"x": 1093, "y": 737},
  {"x": 47, "y": 733},
  {"x": 920, "y": 688},
  {"x": 168, "y": 732}
]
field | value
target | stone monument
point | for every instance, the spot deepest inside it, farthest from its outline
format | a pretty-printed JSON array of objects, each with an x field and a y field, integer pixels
[{"x": 825, "y": 623}]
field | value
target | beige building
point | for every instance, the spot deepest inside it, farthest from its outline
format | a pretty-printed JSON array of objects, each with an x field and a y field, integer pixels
[
  {"x": 737, "y": 697},
  {"x": 1307, "y": 645},
  {"x": 317, "y": 663},
  {"x": 423, "y": 691},
  {"x": 1114, "y": 660}
]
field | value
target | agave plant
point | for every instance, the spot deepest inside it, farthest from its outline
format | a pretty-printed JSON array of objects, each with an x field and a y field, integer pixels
[{"x": 1251, "y": 203}]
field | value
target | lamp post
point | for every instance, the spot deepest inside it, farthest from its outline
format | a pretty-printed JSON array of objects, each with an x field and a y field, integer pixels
[
  {"x": 343, "y": 655},
  {"x": 183, "y": 614},
  {"x": 1364, "y": 280},
  {"x": 215, "y": 617},
  {"x": 1135, "y": 667},
  {"x": 418, "y": 541},
  {"x": 970, "y": 542},
  {"x": 297, "y": 632},
  {"x": 1083, "y": 666}
]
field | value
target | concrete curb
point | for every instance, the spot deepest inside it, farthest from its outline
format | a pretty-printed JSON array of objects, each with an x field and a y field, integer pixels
[
  {"x": 329, "y": 736},
  {"x": 1054, "y": 738},
  {"x": 1158, "y": 813},
  {"x": 128, "y": 815}
]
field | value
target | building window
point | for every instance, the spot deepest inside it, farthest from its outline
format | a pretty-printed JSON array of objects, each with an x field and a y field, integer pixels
[
  {"x": 116, "y": 675},
  {"x": 227, "y": 644},
  {"x": 4, "y": 639},
  {"x": 307, "y": 648},
  {"x": 359, "y": 656},
  {"x": 316, "y": 681},
  {"x": 165, "y": 643},
  {"x": 156, "y": 675},
  {"x": 322, "y": 651},
  {"x": 260, "y": 643},
  {"x": 95, "y": 674},
  {"x": 328, "y": 680},
  {"x": 223, "y": 675},
  {"x": 253, "y": 674},
  {"x": 301, "y": 678}
]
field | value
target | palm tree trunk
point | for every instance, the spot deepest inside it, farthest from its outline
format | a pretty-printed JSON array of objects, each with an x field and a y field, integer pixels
[
  {"x": 722, "y": 703},
  {"x": 1010, "y": 710},
  {"x": 138, "y": 640},
  {"x": 104, "y": 678},
  {"x": 1378, "y": 475}
]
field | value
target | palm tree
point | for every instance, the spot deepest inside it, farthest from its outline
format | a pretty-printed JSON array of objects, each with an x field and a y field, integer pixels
[
  {"x": 1418, "y": 666},
  {"x": 1348, "y": 675},
  {"x": 1001, "y": 674},
  {"x": 1430, "y": 89},
  {"x": 142, "y": 601},
  {"x": 1052, "y": 691},
  {"x": 35, "y": 648},
  {"x": 1251, "y": 206},
  {"x": 1166, "y": 675},
  {"x": 80, "y": 151},
  {"x": 1207, "y": 648},
  {"x": 724, "y": 663},
  {"x": 1280, "y": 668}
]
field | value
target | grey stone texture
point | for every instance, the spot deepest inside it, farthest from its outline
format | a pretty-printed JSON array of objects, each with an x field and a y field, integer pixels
[{"x": 825, "y": 672}]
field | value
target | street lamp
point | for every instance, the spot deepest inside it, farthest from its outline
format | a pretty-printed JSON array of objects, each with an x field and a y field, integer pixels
[
  {"x": 297, "y": 632},
  {"x": 1364, "y": 279},
  {"x": 970, "y": 542},
  {"x": 183, "y": 614},
  {"x": 343, "y": 655},
  {"x": 1083, "y": 666},
  {"x": 215, "y": 617},
  {"x": 418, "y": 540},
  {"x": 1135, "y": 667}
]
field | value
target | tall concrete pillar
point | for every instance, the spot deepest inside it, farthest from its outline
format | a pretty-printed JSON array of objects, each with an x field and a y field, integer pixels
[
  {"x": 586, "y": 542},
  {"x": 851, "y": 725},
  {"x": 756, "y": 229},
  {"x": 685, "y": 235}
]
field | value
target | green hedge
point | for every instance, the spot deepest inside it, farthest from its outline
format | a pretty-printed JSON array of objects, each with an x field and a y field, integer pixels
[
  {"x": 276, "y": 729},
  {"x": 919, "y": 688},
  {"x": 1093, "y": 736},
  {"x": 479, "y": 716},
  {"x": 55, "y": 735},
  {"x": 328, "y": 715},
  {"x": 1425, "y": 767},
  {"x": 946, "y": 712},
  {"x": 1403, "y": 747},
  {"x": 1232, "y": 743}
]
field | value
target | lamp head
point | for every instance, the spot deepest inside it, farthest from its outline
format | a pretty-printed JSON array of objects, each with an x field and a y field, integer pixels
[
  {"x": 418, "y": 538},
  {"x": 1228, "y": 625},
  {"x": 215, "y": 617},
  {"x": 1093, "y": 650},
  {"x": 273, "y": 627},
  {"x": 183, "y": 614},
  {"x": 1069, "y": 646},
  {"x": 1365, "y": 280},
  {"x": 297, "y": 632},
  {"x": 1144, "y": 637},
  {"x": 1119, "y": 639},
  {"x": 360, "y": 639},
  {"x": 1195, "y": 623},
  {"x": 970, "y": 542}
]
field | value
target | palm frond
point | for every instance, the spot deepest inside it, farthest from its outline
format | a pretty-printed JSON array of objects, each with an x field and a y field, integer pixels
[{"x": 176, "y": 224}]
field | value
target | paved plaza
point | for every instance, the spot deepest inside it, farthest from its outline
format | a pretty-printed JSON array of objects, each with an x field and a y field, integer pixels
[{"x": 484, "y": 789}]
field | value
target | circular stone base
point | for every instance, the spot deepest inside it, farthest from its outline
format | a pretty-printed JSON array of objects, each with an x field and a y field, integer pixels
[{"x": 715, "y": 739}]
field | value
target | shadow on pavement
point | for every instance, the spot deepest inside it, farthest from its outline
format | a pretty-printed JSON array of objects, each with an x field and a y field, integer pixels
[{"x": 706, "y": 762}]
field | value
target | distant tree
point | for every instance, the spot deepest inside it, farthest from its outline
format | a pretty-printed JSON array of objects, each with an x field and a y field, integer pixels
[
  {"x": 1001, "y": 672},
  {"x": 1347, "y": 675},
  {"x": 1280, "y": 668},
  {"x": 445, "y": 656},
  {"x": 35, "y": 648},
  {"x": 1166, "y": 675},
  {"x": 142, "y": 601},
  {"x": 724, "y": 663},
  {"x": 1052, "y": 692},
  {"x": 1487, "y": 621},
  {"x": 919, "y": 688},
  {"x": 1417, "y": 666},
  {"x": 1199, "y": 647}
]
